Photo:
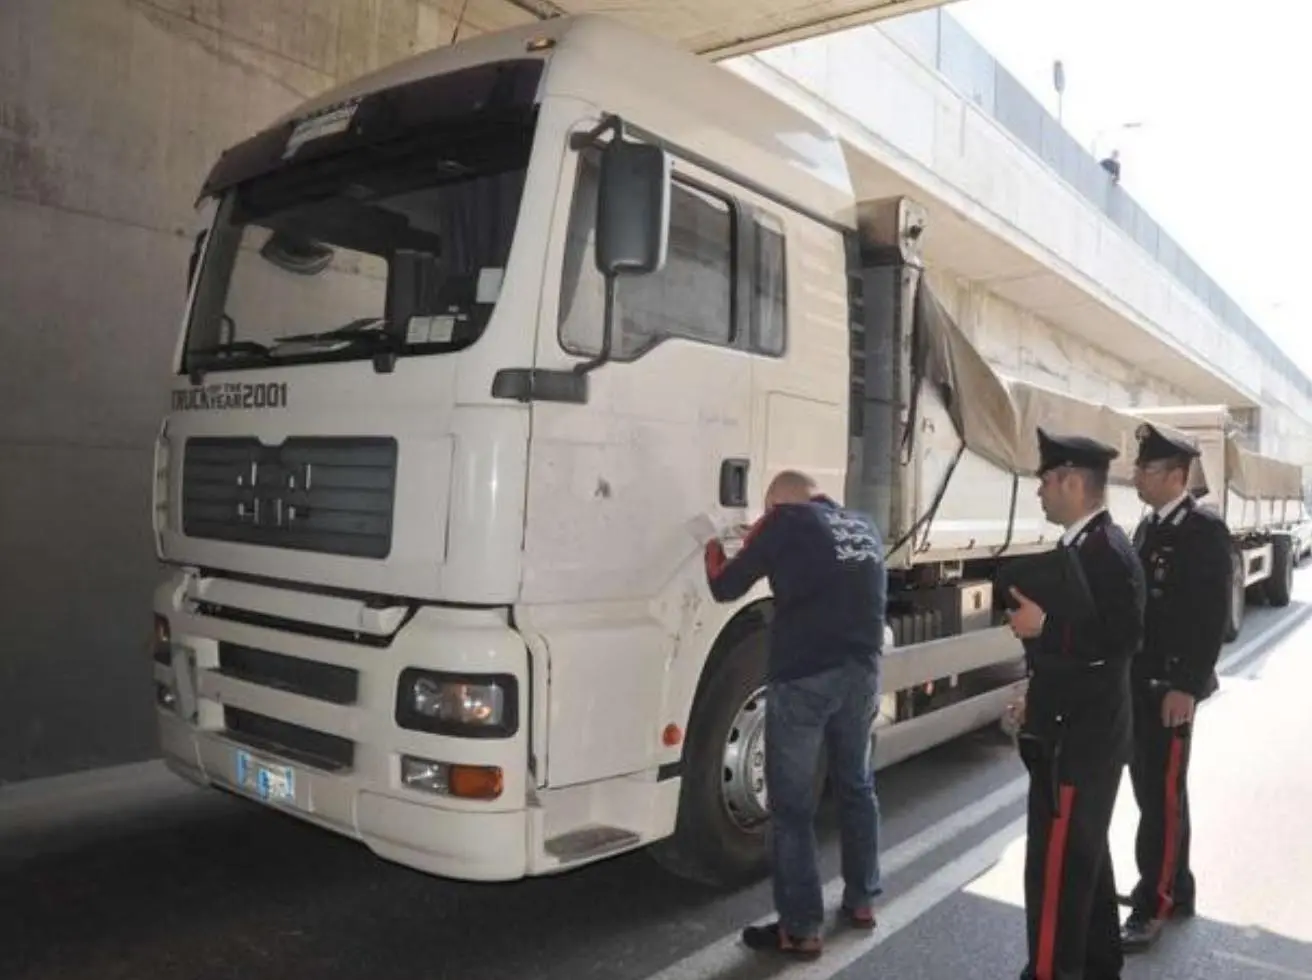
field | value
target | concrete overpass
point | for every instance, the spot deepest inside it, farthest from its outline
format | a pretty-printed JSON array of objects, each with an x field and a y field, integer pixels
[
  {"x": 1022, "y": 214},
  {"x": 1029, "y": 226},
  {"x": 714, "y": 28},
  {"x": 111, "y": 113}
]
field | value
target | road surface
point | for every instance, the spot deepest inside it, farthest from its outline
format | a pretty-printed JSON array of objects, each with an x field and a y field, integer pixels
[{"x": 133, "y": 874}]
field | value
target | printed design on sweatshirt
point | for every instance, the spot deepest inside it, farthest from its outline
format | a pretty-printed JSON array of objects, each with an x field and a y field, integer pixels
[{"x": 854, "y": 540}]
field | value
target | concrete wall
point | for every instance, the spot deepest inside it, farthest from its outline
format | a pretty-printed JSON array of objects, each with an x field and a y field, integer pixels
[
  {"x": 1021, "y": 345},
  {"x": 110, "y": 113}
]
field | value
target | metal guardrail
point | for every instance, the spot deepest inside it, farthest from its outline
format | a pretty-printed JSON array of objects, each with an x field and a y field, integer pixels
[{"x": 938, "y": 40}]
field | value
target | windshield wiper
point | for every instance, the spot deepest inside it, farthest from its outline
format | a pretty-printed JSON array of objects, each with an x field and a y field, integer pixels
[
  {"x": 222, "y": 352},
  {"x": 373, "y": 331},
  {"x": 349, "y": 331}
]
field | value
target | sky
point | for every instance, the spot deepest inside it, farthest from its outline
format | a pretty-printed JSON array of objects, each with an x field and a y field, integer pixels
[{"x": 1220, "y": 159}]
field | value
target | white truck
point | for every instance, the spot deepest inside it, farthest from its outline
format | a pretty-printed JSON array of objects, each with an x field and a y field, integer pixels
[{"x": 468, "y": 345}]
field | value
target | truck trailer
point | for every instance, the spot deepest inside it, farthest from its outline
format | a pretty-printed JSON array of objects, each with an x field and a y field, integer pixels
[
  {"x": 1261, "y": 500},
  {"x": 468, "y": 344}
]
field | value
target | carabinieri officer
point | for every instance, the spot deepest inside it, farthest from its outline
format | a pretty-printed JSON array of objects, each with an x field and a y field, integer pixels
[
  {"x": 1186, "y": 552},
  {"x": 1075, "y": 736}
]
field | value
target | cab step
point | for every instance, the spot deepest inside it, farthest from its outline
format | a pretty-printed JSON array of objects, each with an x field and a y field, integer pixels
[{"x": 590, "y": 843}]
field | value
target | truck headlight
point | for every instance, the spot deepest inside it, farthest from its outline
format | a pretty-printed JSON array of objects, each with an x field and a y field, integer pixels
[{"x": 468, "y": 706}]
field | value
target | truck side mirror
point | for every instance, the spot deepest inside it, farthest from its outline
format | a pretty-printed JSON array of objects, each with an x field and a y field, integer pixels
[
  {"x": 633, "y": 209},
  {"x": 295, "y": 254}
]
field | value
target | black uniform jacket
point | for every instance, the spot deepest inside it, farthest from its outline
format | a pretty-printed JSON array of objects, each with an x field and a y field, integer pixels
[
  {"x": 1079, "y": 666},
  {"x": 1186, "y": 560}
]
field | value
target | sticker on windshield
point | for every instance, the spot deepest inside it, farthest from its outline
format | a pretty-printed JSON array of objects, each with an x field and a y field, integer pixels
[
  {"x": 489, "y": 285},
  {"x": 326, "y": 123},
  {"x": 430, "y": 330}
]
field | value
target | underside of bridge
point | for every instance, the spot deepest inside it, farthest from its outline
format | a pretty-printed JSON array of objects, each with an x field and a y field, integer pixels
[
  {"x": 111, "y": 113},
  {"x": 715, "y": 28}
]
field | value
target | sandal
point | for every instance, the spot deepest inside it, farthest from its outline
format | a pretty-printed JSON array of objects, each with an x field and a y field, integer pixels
[{"x": 773, "y": 939}]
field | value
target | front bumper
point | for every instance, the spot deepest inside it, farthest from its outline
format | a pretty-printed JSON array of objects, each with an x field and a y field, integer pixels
[
  {"x": 421, "y": 834},
  {"x": 343, "y": 753}
]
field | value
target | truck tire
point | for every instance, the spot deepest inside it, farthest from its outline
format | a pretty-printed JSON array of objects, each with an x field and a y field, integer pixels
[
  {"x": 1280, "y": 586},
  {"x": 1234, "y": 621},
  {"x": 721, "y": 835}
]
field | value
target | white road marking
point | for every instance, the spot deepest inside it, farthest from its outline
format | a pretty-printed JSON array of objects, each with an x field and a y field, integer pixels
[
  {"x": 845, "y": 948},
  {"x": 725, "y": 953},
  {"x": 1275, "y": 968},
  {"x": 1285, "y": 624}
]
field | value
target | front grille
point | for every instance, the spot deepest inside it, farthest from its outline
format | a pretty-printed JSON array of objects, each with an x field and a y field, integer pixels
[
  {"x": 324, "y": 494},
  {"x": 304, "y": 745},
  {"x": 308, "y": 678}
]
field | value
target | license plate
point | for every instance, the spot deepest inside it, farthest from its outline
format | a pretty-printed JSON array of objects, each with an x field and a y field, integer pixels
[{"x": 271, "y": 783}]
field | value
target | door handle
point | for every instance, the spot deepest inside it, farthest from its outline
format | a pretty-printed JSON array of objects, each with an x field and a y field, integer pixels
[{"x": 733, "y": 482}]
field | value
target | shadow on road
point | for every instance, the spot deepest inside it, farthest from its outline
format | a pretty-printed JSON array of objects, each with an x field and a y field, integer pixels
[
  {"x": 975, "y": 936},
  {"x": 204, "y": 886}
]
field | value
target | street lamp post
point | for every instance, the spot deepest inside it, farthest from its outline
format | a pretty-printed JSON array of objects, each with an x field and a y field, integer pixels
[{"x": 1059, "y": 83}]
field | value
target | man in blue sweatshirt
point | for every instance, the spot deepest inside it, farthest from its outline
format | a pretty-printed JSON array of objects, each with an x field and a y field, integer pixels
[{"x": 826, "y": 570}]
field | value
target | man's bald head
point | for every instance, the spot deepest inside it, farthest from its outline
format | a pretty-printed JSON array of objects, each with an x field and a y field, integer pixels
[{"x": 789, "y": 487}]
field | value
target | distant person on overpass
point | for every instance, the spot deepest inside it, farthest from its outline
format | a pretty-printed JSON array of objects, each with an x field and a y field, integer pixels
[
  {"x": 1075, "y": 736},
  {"x": 1185, "y": 551},
  {"x": 1112, "y": 165},
  {"x": 826, "y": 571}
]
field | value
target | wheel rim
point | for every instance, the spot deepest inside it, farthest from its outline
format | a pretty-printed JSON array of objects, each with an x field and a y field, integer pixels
[{"x": 743, "y": 787}]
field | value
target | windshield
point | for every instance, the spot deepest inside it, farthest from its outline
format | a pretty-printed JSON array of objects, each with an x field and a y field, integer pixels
[{"x": 396, "y": 248}]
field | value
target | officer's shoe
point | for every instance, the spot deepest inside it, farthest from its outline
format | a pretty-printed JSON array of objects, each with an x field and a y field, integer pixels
[{"x": 1140, "y": 932}]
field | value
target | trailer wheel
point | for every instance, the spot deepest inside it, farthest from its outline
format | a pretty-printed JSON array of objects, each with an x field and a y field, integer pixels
[
  {"x": 1280, "y": 586},
  {"x": 721, "y": 833},
  {"x": 1234, "y": 621}
]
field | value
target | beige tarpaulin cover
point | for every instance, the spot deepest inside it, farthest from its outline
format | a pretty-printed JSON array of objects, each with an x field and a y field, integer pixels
[
  {"x": 976, "y": 399},
  {"x": 997, "y": 418},
  {"x": 1254, "y": 476}
]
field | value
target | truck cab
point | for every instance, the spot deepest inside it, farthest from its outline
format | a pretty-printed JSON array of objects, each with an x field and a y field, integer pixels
[{"x": 460, "y": 361}]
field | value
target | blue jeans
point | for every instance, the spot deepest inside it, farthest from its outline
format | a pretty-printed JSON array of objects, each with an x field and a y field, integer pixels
[{"x": 836, "y": 709}]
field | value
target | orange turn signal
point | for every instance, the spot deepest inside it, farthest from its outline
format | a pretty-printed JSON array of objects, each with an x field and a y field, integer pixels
[
  {"x": 672, "y": 735},
  {"x": 476, "y": 782}
]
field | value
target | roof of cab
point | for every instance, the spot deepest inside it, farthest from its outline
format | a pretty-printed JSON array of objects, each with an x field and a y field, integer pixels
[{"x": 691, "y": 102}]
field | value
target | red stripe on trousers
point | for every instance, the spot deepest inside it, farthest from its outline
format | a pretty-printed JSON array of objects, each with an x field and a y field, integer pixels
[
  {"x": 1052, "y": 875},
  {"x": 1170, "y": 843}
]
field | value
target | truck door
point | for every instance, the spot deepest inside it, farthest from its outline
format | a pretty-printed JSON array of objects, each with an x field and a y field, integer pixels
[{"x": 665, "y": 435}]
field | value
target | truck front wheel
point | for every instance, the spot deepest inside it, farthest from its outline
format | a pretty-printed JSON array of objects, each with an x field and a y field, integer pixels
[{"x": 720, "y": 835}]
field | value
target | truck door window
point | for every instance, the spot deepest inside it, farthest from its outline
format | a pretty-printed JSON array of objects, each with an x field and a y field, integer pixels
[
  {"x": 769, "y": 287},
  {"x": 691, "y": 297}
]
